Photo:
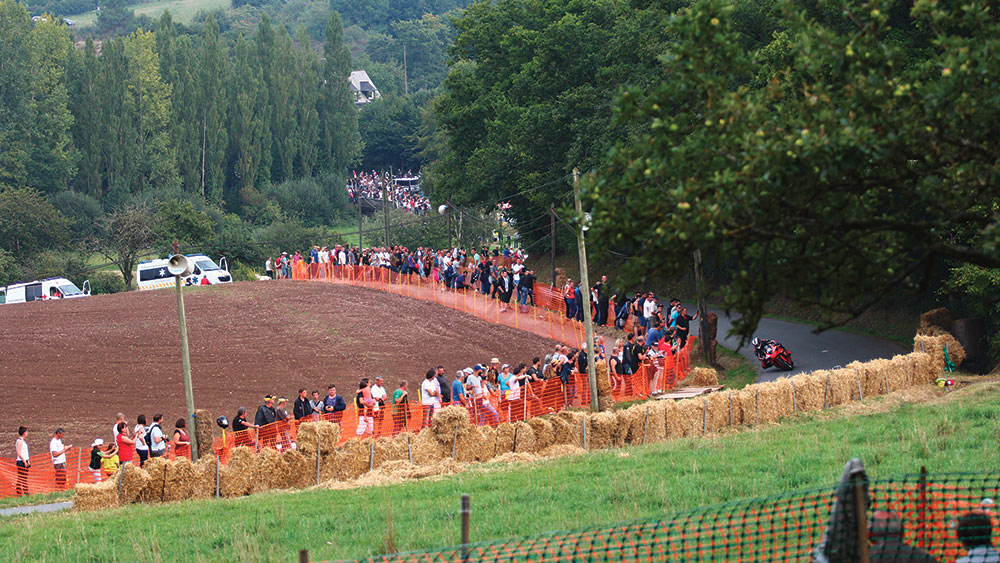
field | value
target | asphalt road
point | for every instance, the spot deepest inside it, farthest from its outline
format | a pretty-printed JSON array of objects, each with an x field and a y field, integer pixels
[{"x": 810, "y": 351}]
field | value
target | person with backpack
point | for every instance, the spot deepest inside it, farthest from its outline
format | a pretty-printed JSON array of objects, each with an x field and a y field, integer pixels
[{"x": 155, "y": 438}]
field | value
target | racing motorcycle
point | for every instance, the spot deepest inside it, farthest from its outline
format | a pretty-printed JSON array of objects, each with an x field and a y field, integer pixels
[{"x": 772, "y": 353}]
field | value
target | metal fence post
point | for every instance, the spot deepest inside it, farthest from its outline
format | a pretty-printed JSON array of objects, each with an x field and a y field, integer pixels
[
  {"x": 826, "y": 392},
  {"x": 704, "y": 417},
  {"x": 514, "y": 449},
  {"x": 466, "y": 512},
  {"x": 371, "y": 456},
  {"x": 454, "y": 442},
  {"x": 319, "y": 439},
  {"x": 756, "y": 407},
  {"x": 218, "y": 462},
  {"x": 795, "y": 403},
  {"x": 584, "y": 421}
]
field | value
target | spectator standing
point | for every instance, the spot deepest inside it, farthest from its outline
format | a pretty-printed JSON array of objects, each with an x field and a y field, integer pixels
[
  {"x": 654, "y": 335},
  {"x": 125, "y": 443},
  {"x": 141, "y": 447},
  {"x": 109, "y": 460},
  {"x": 157, "y": 441},
  {"x": 649, "y": 310},
  {"x": 430, "y": 397},
  {"x": 316, "y": 403},
  {"x": 458, "y": 389},
  {"x": 57, "y": 451},
  {"x": 485, "y": 413},
  {"x": 268, "y": 268},
  {"x": 182, "y": 443},
  {"x": 443, "y": 386},
  {"x": 244, "y": 437},
  {"x": 886, "y": 535},
  {"x": 120, "y": 417},
  {"x": 379, "y": 395},
  {"x": 302, "y": 407},
  {"x": 365, "y": 405},
  {"x": 603, "y": 300},
  {"x": 400, "y": 403},
  {"x": 334, "y": 405},
  {"x": 526, "y": 290},
  {"x": 974, "y": 530},
  {"x": 683, "y": 323},
  {"x": 265, "y": 413},
  {"x": 96, "y": 458},
  {"x": 569, "y": 296},
  {"x": 566, "y": 375},
  {"x": 282, "y": 417}
]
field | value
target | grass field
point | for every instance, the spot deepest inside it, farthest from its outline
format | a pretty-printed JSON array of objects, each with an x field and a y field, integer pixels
[
  {"x": 952, "y": 431},
  {"x": 183, "y": 11}
]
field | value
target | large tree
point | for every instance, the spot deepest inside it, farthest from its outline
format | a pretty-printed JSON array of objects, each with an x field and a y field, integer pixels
[
  {"x": 839, "y": 163},
  {"x": 125, "y": 233}
]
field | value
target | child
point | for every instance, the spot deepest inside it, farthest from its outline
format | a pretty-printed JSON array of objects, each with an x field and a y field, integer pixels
[{"x": 110, "y": 460}]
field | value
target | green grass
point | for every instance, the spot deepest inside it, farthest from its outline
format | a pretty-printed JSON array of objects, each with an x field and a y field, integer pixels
[
  {"x": 183, "y": 11},
  {"x": 11, "y": 502},
  {"x": 954, "y": 433}
]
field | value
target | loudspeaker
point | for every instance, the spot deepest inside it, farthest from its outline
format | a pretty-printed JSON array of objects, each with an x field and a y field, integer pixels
[{"x": 178, "y": 265}]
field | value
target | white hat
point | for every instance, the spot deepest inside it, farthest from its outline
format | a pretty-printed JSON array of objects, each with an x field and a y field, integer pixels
[{"x": 97, "y": 442}]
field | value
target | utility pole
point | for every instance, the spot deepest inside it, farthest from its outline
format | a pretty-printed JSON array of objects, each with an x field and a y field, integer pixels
[
  {"x": 179, "y": 266},
  {"x": 552, "y": 236},
  {"x": 450, "y": 245},
  {"x": 588, "y": 320}
]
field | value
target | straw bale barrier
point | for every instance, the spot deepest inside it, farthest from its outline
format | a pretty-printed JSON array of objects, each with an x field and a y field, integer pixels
[
  {"x": 935, "y": 345},
  {"x": 935, "y": 318},
  {"x": 703, "y": 377},
  {"x": 364, "y": 461},
  {"x": 604, "y": 399},
  {"x": 203, "y": 425}
]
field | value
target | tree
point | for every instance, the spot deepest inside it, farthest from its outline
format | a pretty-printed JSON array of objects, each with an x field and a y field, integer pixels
[
  {"x": 840, "y": 163},
  {"x": 85, "y": 105},
  {"x": 125, "y": 233},
  {"x": 52, "y": 160},
  {"x": 339, "y": 139},
  {"x": 388, "y": 126},
  {"x": 179, "y": 221},
  {"x": 15, "y": 91},
  {"x": 115, "y": 18},
  {"x": 29, "y": 223}
]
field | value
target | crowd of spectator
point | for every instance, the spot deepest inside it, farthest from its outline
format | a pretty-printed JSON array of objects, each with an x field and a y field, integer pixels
[{"x": 404, "y": 195}]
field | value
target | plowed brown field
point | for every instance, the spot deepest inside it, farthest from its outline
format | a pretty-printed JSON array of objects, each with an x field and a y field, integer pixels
[{"x": 75, "y": 363}]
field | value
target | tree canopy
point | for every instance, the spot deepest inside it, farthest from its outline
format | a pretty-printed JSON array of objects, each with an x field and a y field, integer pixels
[{"x": 841, "y": 161}]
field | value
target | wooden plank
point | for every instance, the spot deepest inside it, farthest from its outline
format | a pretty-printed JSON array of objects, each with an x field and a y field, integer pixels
[{"x": 688, "y": 392}]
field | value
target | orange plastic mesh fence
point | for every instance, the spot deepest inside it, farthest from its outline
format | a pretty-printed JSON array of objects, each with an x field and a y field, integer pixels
[{"x": 904, "y": 520}]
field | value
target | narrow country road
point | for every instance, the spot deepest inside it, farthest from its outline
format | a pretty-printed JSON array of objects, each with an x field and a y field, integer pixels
[{"x": 810, "y": 351}]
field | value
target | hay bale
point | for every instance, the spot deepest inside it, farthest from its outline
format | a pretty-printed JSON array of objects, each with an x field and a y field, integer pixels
[
  {"x": 427, "y": 450},
  {"x": 843, "y": 387},
  {"x": 775, "y": 400},
  {"x": 935, "y": 346},
  {"x": 299, "y": 470},
  {"x": 745, "y": 399},
  {"x": 447, "y": 420},
  {"x": 607, "y": 430},
  {"x": 718, "y": 411},
  {"x": 353, "y": 459},
  {"x": 567, "y": 427},
  {"x": 238, "y": 475},
  {"x": 153, "y": 491},
  {"x": 633, "y": 419},
  {"x": 543, "y": 430},
  {"x": 266, "y": 474},
  {"x": 935, "y": 318},
  {"x": 702, "y": 377},
  {"x": 656, "y": 430},
  {"x": 809, "y": 390},
  {"x": 96, "y": 496},
  {"x": 684, "y": 419},
  {"x": 204, "y": 425},
  {"x": 204, "y": 471},
  {"x": 604, "y": 399},
  {"x": 133, "y": 481},
  {"x": 389, "y": 449},
  {"x": 325, "y": 431},
  {"x": 511, "y": 457},
  {"x": 181, "y": 480}
]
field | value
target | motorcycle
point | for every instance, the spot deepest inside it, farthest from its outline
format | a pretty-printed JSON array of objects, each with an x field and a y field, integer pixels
[{"x": 772, "y": 353}]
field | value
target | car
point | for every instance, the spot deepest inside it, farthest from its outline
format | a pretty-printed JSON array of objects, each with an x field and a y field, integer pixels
[{"x": 42, "y": 290}]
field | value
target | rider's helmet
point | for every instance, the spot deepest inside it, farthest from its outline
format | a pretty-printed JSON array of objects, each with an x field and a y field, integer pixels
[{"x": 756, "y": 343}]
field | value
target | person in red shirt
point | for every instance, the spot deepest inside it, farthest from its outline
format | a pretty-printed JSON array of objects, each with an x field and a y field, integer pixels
[
  {"x": 182, "y": 443},
  {"x": 125, "y": 443}
]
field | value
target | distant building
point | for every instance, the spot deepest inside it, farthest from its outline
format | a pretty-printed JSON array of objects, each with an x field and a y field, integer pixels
[{"x": 362, "y": 88}]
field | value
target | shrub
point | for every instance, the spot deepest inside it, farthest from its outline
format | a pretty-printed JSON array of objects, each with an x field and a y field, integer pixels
[
  {"x": 106, "y": 281},
  {"x": 243, "y": 272}
]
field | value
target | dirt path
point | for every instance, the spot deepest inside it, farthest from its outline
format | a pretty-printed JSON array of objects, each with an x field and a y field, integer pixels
[{"x": 75, "y": 363}]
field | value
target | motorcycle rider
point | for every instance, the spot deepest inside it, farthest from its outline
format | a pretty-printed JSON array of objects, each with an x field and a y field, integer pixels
[{"x": 760, "y": 347}]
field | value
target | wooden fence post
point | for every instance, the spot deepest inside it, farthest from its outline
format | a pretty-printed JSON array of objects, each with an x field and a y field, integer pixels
[
  {"x": 466, "y": 513},
  {"x": 645, "y": 426},
  {"x": 319, "y": 438}
]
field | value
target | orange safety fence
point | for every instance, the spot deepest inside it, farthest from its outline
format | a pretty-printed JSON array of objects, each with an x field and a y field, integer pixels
[{"x": 912, "y": 518}]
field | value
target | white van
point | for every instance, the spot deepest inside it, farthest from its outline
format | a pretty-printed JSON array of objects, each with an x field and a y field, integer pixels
[
  {"x": 41, "y": 290},
  {"x": 153, "y": 274}
]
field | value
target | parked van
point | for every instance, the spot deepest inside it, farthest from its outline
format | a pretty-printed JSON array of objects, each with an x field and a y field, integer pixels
[
  {"x": 153, "y": 274},
  {"x": 41, "y": 290}
]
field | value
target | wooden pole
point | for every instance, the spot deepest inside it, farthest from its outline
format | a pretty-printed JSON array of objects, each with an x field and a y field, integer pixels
[
  {"x": 371, "y": 456},
  {"x": 645, "y": 426},
  {"x": 303, "y": 556},
  {"x": 588, "y": 321},
  {"x": 454, "y": 442},
  {"x": 319, "y": 439},
  {"x": 552, "y": 236},
  {"x": 861, "y": 511},
  {"x": 826, "y": 391},
  {"x": 795, "y": 405}
]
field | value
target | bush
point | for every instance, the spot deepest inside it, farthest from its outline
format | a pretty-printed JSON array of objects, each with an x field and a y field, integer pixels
[
  {"x": 243, "y": 272},
  {"x": 82, "y": 210},
  {"x": 106, "y": 281},
  {"x": 315, "y": 201}
]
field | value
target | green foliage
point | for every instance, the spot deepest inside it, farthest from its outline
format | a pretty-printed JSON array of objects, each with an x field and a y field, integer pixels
[
  {"x": 116, "y": 18},
  {"x": 106, "y": 282},
  {"x": 388, "y": 127},
  {"x": 15, "y": 93},
  {"x": 179, "y": 221},
  {"x": 839, "y": 164},
  {"x": 314, "y": 201},
  {"x": 29, "y": 223},
  {"x": 979, "y": 287},
  {"x": 82, "y": 210},
  {"x": 241, "y": 271},
  {"x": 9, "y": 271},
  {"x": 233, "y": 238},
  {"x": 124, "y": 234}
]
